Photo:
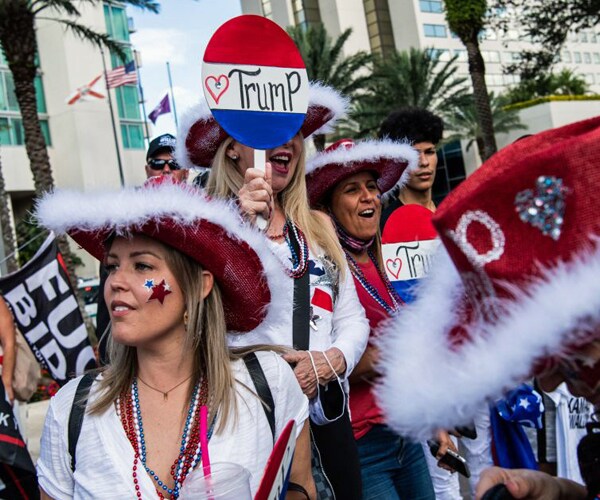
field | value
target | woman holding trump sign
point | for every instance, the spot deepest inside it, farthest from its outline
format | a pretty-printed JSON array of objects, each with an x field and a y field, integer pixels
[{"x": 334, "y": 325}]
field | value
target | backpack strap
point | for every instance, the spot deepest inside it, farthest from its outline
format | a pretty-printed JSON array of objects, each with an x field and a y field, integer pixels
[
  {"x": 301, "y": 314},
  {"x": 262, "y": 388},
  {"x": 77, "y": 413}
]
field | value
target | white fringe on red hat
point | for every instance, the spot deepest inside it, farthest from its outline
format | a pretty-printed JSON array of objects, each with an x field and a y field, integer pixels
[
  {"x": 320, "y": 94},
  {"x": 425, "y": 385},
  {"x": 132, "y": 208},
  {"x": 368, "y": 151}
]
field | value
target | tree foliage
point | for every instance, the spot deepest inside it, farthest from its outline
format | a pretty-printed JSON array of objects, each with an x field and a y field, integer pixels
[
  {"x": 325, "y": 60},
  {"x": 566, "y": 82},
  {"x": 547, "y": 23},
  {"x": 408, "y": 78},
  {"x": 462, "y": 123},
  {"x": 326, "y": 63}
]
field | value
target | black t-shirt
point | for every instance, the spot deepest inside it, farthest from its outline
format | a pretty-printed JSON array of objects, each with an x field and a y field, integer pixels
[{"x": 392, "y": 204}]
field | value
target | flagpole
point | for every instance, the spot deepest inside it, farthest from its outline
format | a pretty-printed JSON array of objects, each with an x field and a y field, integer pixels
[
  {"x": 172, "y": 95},
  {"x": 112, "y": 119},
  {"x": 137, "y": 68}
]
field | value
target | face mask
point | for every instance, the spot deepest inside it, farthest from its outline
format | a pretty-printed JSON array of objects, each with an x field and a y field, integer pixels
[{"x": 330, "y": 402}]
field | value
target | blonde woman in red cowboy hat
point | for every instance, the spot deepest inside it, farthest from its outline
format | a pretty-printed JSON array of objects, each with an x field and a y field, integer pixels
[
  {"x": 183, "y": 271},
  {"x": 334, "y": 325},
  {"x": 347, "y": 181}
]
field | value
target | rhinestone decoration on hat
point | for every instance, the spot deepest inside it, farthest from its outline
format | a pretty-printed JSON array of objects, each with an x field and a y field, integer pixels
[{"x": 544, "y": 206}]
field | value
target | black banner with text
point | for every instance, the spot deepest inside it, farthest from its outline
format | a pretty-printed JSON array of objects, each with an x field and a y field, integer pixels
[{"x": 45, "y": 310}]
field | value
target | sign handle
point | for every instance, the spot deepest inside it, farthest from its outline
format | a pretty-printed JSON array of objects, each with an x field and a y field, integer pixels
[{"x": 259, "y": 164}]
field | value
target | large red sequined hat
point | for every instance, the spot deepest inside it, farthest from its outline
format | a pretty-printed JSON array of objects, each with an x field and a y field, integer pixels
[
  {"x": 516, "y": 290},
  {"x": 387, "y": 159},
  {"x": 209, "y": 231},
  {"x": 199, "y": 135}
]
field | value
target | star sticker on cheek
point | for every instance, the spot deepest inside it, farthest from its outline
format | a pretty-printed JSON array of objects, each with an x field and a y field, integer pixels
[
  {"x": 149, "y": 284},
  {"x": 160, "y": 291}
]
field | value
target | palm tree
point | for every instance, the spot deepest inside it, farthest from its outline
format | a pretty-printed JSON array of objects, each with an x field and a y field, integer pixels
[
  {"x": 462, "y": 122},
  {"x": 467, "y": 19},
  {"x": 566, "y": 82},
  {"x": 326, "y": 63},
  {"x": 408, "y": 78}
]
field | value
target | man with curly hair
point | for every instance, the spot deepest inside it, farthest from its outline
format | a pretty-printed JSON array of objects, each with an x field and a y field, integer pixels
[{"x": 424, "y": 131}]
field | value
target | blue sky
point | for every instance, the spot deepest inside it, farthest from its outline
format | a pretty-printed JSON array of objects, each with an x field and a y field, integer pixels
[{"x": 178, "y": 34}]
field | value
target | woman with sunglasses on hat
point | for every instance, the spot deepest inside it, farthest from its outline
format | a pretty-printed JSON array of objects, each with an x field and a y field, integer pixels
[
  {"x": 183, "y": 271},
  {"x": 347, "y": 181},
  {"x": 335, "y": 328}
]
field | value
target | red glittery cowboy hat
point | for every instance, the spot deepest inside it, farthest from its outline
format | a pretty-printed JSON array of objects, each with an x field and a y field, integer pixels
[
  {"x": 209, "y": 231},
  {"x": 386, "y": 159},
  {"x": 515, "y": 290},
  {"x": 199, "y": 135}
]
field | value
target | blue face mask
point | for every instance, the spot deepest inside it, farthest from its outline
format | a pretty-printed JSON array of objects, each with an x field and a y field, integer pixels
[{"x": 330, "y": 402}]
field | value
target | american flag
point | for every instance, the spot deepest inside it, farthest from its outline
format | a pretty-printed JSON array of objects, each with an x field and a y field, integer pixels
[{"x": 121, "y": 75}]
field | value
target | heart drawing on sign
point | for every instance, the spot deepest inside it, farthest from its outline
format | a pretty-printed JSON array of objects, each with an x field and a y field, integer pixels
[
  {"x": 394, "y": 266},
  {"x": 216, "y": 86}
]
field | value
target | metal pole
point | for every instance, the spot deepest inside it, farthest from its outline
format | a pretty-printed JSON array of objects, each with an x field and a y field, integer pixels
[
  {"x": 112, "y": 119},
  {"x": 172, "y": 95},
  {"x": 142, "y": 100}
]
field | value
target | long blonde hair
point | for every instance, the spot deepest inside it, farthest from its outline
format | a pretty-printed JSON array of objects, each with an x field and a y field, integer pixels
[
  {"x": 206, "y": 338},
  {"x": 225, "y": 181}
]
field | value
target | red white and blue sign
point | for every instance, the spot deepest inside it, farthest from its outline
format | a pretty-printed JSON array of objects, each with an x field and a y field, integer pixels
[
  {"x": 255, "y": 82},
  {"x": 409, "y": 242}
]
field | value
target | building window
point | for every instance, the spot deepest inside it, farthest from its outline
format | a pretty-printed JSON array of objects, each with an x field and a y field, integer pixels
[
  {"x": 266, "y": 7},
  {"x": 596, "y": 58},
  {"x": 577, "y": 57},
  {"x": 442, "y": 55},
  {"x": 12, "y": 133},
  {"x": 132, "y": 135},
  {"x": 450, "y": 170},
  {"x": 587, "y": 58},
  {"x": 11, "y": 124},
  {"x": 379, "y": 26},
  {"x": 589, "y": 79},
  {"x": 128, "y": 102},
  {"x": 117, "y": 25},
  {"x": 435, "y": 30},
  {"x": 462, "y": 55},
  {"x": 583, "y": 37},
  {"x": 494, "y": 80},
  {"x": 511, "y": 79},
  {"x": 593, "y": 38},
  {"x": 431, "y": 6},
  {"x": 490, "y": 56},
  {"x": 565, "y": 56},
  {"x": 306, "y": 12}
]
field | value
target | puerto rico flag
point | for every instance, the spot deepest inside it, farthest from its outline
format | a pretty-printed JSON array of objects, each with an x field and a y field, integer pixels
[{"x": 255, "y": 81}]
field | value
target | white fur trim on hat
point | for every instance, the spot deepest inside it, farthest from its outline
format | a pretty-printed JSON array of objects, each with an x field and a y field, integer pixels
[
  {"x": 369, "y": 151},
  {"x": 198, "y": 112},
  {"x": 320, "y": 94},
  {"x": 131, "y": 208},
  {"x": 425, "y": 385}
]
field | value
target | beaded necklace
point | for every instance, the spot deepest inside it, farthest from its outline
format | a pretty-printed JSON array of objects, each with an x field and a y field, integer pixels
[
  {"x": 370, "y": 289},
  {"x": 190, "y": 453},
  {"x": 299, "y": 262}
]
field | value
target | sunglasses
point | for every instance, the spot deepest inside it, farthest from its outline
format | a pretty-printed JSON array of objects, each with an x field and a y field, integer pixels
[{"x": 160, "y": 164}]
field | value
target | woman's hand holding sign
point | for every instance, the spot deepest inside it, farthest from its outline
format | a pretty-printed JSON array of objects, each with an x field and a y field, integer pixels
[{"x": 256, "y": 194}]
